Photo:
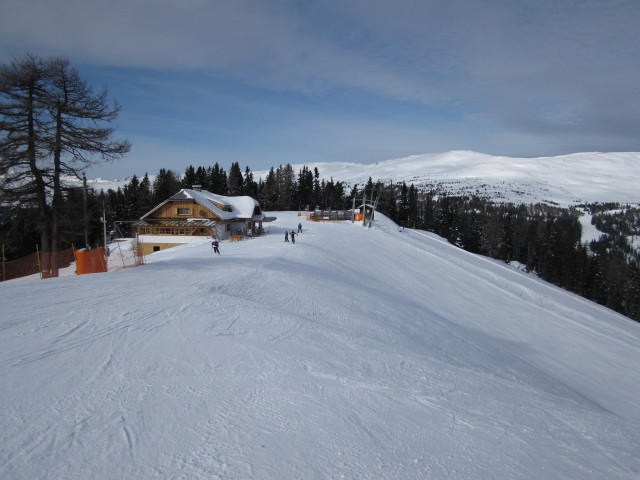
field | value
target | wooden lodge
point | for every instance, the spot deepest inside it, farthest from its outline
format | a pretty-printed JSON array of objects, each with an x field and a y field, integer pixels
[{"x": 192, "y": 214}]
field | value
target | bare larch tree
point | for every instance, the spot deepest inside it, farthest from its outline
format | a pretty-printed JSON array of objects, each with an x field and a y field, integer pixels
[{"x": 52, "y": 125}]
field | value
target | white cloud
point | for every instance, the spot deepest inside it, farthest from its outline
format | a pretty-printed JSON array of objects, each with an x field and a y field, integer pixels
[{"x": 536, "y": 68}]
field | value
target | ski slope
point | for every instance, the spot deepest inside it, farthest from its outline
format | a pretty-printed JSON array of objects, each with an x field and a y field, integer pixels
[{"x": 353, "y": 353}]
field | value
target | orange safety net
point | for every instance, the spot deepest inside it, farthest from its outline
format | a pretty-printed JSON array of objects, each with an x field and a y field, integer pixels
[{"x": 92, "y": 261}]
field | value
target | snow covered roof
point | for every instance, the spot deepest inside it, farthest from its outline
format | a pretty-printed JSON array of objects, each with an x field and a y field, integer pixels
[{"x": 226, "y": 208}]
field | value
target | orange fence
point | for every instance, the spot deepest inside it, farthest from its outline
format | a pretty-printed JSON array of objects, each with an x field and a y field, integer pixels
[
  {"x": 49, "y": 264},
  {"x": 91, "y": 261}
]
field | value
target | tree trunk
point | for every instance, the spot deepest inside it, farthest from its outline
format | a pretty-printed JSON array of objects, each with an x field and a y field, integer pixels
[
  {"x": 56, "y": 201},
  {"x": 40, "y": 186}
]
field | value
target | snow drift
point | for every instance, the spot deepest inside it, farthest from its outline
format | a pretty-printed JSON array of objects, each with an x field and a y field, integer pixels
[{"x": 354, "y": 353}]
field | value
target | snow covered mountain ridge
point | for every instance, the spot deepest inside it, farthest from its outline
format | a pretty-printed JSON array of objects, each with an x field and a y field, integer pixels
[{"x": 563, "y": 180}]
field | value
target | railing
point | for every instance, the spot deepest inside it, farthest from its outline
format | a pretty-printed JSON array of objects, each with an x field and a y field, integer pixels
[
  {"x": 45, "y": 264},
  {"x": 330, "y": 215}
]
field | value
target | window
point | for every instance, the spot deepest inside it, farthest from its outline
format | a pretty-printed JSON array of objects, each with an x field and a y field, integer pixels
[
  {"x": 156, "y": 248},
  {"x": 184, "y": 211}
]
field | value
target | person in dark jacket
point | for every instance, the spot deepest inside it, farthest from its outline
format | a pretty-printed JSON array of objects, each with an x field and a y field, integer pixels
[
  {"x": 299, "y": 228},
  {"x": 293, "y": 236},
  {"x": 286, "y": 236}
]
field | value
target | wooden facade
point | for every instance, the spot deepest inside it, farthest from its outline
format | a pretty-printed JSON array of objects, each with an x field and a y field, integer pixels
[{"x": 185, "y": 209}]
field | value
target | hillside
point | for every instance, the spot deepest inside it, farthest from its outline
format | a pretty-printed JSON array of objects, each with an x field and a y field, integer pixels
[{"x": 355, "y": 353}]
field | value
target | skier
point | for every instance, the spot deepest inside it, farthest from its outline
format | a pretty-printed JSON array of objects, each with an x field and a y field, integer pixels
[
  {"x": 214, "y": 245},
  {"x": 293, "y": 236},
  {"x": 299, "y": 228},
  {"x": 286, "y": 236}
]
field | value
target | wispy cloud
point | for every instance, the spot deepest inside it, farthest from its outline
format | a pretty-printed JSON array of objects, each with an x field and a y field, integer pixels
[{"x": 547, "y": 74}]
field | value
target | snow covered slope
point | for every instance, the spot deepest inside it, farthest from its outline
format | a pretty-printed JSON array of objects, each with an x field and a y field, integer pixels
[{"x": 353, "y": 353}]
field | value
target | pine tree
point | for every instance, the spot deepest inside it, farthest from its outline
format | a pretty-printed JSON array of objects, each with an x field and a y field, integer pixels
[
  {"x": 145, "y": 198},
  {"x": 268, "y": 195},
  {"x": 413, "y": 213},
  {"x": 506, "y": 246},
  {"x": 304, "y": 191},
  {"x": 165, "y": 185},
  {"x": 132, "y": 198},
  {"x": 285, "y": 186},
  {"x": 189, "y": 177},
  {"x": 202, "y": 178},
  {"x": 218, "y": 182},
  {"x": 316, "y": 198},
  {"x": 250, "y": 186},
  {"x": 235, "y": 183},
  {"x": 403, "y": 206}
]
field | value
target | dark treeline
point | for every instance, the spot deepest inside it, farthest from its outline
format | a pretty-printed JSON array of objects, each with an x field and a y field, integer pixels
[
  {"x": 282, "y": 189},
  {"x": 19, "y": 224},
  {"x": 542, "y": 239}
]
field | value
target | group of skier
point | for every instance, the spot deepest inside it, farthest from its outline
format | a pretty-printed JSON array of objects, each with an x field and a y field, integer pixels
[
  {"x": 293, "y": 234},
  {"x": 215, "y": 245}
]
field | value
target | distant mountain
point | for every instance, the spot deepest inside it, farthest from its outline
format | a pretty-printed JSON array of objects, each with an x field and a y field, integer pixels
[
  {"x": 102, "y": 184},
  {"x": 563, "y": 180}
]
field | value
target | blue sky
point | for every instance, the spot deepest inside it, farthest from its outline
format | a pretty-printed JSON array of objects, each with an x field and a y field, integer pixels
[{"x": 270, "y": 82}]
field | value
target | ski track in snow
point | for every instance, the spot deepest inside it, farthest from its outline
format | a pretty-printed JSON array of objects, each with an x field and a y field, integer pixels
[{"x": 355, "y": 353}]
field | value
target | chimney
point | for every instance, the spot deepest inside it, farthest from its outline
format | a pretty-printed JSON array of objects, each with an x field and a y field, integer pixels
[{"x": 197, "y": 188}]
